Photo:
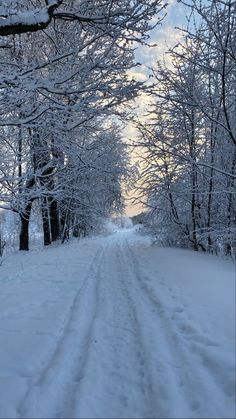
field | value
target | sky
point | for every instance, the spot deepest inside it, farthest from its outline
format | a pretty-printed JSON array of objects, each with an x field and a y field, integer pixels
[{"x": 163, "y": 36}]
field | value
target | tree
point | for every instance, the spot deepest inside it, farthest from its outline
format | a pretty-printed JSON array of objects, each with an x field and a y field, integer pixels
[
  {"x": 190, "y": 141},
  {"x": 96, "y": 166},
  {"x": 54, "y": 86},
  {"x": 103, "y": 15}
]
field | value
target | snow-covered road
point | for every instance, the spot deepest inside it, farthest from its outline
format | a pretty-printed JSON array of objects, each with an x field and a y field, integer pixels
[{"x": 115, "y": 327}]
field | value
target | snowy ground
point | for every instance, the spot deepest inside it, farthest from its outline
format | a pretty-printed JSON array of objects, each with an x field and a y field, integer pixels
[{"x": 115, "y": 327}]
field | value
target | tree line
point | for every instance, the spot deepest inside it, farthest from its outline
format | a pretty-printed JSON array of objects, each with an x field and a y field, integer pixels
[
  {"x": 188, "y": 141},
  {"x": 65, "y": 93}
]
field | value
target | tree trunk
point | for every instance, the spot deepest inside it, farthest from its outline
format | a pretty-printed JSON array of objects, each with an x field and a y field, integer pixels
[
  {"x": 46, "y": 223},
  {"x": 65, "y": 228},
  {"x": 54, "y": 220},
  {"x": 194, "y": 182},
  {"x": 24, "y": 233},
  {"x": 230, "y": 244}
]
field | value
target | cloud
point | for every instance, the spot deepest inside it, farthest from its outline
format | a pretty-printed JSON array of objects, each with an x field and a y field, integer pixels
[
  {"x": 137, "y": 73},
  {"x": 164, "y": 36}
]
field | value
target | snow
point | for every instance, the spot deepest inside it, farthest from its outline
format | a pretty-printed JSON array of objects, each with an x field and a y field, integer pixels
[
  {"x": 113, "y": 326},
  {"x": 37, "y": 16}
]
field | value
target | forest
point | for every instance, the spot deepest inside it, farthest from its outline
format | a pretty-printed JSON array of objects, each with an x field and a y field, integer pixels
[
  {"x": 109, "y": 107},
  {"x": 67, "y": 90},
  {"x": 189, "y": 139}
]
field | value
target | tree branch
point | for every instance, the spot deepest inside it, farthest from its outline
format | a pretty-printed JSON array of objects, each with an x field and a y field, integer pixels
[{"x": 29, "y": 21}]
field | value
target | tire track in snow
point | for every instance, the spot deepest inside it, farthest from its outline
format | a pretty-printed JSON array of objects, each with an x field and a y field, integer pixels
[
  {"x": 191, "y": 381},
  {"x": 152, "y": 389},
  {"x": 47, "y": 391},
  {"x": 119, "y": 353},
  {"x": 149, "y": 339},
  {"x": 124, "y": 382},
  {"x": 67, "y": 406}
]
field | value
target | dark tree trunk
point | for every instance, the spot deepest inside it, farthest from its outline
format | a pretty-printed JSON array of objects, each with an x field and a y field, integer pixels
[
  {"x": 194, "y": 182},
  {"x": 65, "y": 228},
  {"x": 231, "y": 215},
  {"x": 54, "y": 220},
  {"x": 75, "y": 231},
  {"x": 24, "y": 232},
  {"x": 46, "y": 223}
]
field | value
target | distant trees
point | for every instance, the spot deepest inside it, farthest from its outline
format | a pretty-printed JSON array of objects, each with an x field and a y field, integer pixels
[
  {"x": 61, "y": 89},
  {"x": 189, "y": 141},
  {"x": 90, "y": 183}
]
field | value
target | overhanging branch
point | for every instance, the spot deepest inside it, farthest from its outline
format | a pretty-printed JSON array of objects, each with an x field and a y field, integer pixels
[{"x": 29, "y": 21}]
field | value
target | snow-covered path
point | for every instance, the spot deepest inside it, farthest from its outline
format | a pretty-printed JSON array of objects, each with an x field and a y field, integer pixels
[{"x": 117, "y": 331}]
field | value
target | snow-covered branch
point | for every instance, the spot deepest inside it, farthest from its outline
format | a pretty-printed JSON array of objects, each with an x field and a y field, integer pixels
[
  {"x": 104, "y": 16},
  {"x": 14, "y": 22}
]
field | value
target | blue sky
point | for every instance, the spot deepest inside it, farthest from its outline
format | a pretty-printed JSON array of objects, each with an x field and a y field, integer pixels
[{"x": 164, "y": 35}]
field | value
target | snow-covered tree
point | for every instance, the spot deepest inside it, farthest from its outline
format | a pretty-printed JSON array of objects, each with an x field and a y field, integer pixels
[
  {"x": 57, "y": 84},
  {"x": 104, "y": 15},
  {"x": 190, "y": 166}
]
